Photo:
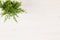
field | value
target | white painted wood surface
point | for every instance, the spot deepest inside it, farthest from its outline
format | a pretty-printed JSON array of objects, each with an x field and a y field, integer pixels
[{"x": 42, "y": 22}]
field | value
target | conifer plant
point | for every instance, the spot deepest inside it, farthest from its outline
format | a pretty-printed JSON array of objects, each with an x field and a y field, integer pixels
[{"x": 11, "y": 9}]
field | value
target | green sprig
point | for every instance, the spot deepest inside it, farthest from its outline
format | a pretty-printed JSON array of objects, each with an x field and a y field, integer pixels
[{"x": 11, "y": 9}]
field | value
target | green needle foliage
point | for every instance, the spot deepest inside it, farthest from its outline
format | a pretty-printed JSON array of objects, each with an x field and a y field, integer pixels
[{"x": 11, "y": 9}]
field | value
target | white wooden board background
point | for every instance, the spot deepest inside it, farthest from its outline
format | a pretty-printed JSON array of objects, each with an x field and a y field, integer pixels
[{"x": 42, "y": 22}]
